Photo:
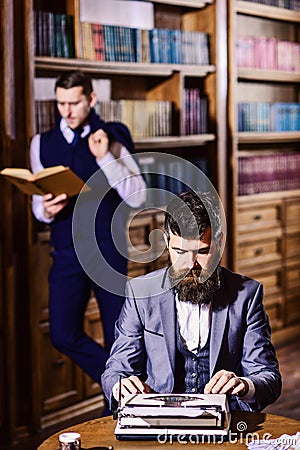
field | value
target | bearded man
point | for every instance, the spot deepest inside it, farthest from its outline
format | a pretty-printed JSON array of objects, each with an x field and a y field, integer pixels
[{"x": 194, "y": 327}]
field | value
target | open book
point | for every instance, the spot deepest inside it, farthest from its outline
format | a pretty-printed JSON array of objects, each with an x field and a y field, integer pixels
[{"x": 57, "y": 180}]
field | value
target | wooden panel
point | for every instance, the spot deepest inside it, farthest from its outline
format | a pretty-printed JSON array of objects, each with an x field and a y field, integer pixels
[
  {"x": 61, "y": 378},
  {"x": 93, "y": 327},
  {"x": 41, "y": 266}
]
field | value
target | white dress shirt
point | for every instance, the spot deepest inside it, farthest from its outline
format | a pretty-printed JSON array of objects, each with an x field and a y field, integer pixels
[
  {"x": 194, "y": 324},
  {"x": 122, "y": 174}
]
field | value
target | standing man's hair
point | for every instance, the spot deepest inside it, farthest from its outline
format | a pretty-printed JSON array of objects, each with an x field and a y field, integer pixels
[
  {"x": 190, "y": 213},
  {"x": 75, "y": 78}
]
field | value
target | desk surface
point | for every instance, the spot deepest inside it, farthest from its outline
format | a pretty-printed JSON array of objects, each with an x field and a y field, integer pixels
[{"x": 100, "y": 432}]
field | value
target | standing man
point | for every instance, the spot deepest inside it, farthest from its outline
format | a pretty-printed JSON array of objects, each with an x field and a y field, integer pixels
[
  {"x": 98, "y": 151},
  {"x": 194, "y": 327}
]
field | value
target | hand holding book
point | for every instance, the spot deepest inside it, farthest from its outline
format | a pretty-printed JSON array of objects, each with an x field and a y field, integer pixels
[{"x": 55, "y": 180}]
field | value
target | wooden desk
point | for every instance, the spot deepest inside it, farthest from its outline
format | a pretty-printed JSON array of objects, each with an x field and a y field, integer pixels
[{"x": 100, "y": 432}]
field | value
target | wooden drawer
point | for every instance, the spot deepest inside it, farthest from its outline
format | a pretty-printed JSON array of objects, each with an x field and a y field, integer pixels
[
  {"x": 293, "y": 276},
  {"x": 293, "y": 308},
  {"x": 139, "y": 231},
  {"x": 292, "y": 211},
  {"x": 274, "y": 310},
  {"x": 259, "y": 217},
  {"x": 292, "y": 247},
  {"x": 259, "y": 252},
  {"x": 61, "y": 379},
  {"x": 272, "y": 279}
]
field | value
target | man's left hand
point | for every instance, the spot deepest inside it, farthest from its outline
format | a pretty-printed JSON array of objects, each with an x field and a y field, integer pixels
[
  {"x": 98, "y": 144},
  {"x": 225, "y": 382}
]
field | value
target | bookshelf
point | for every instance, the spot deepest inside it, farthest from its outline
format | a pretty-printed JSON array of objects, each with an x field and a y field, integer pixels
[
  {"x": 265, "y": 157},
  {"x": 48, "y": 389}
]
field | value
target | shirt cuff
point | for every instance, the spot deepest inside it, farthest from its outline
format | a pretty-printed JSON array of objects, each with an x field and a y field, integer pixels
[
  {"x": 251, "y": 392},
  {"x": 108, "y": 158},
  {"x": 115, "y": 390}
]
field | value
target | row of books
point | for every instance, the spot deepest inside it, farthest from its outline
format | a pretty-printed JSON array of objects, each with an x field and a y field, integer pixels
[
  {"x": 124, "y": 44},
  {"x": 171, "y": 175},
  {"x": 268, "y": 53},
  {"x": 144, "y": 118},
  {"x": 288, "y": 4},
  {"x": 195, "y": 112},
  {"x": 265, "y": 116},
  {"x": 53, "y": 34},
  {"x": 44, "y": 115},
  {"x": 269, "y": 173}
]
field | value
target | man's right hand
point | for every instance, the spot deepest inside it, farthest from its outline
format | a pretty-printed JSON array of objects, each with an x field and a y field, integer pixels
[
  {"x": 53, "y": 205},
  {"x": 131, "y": 385}
]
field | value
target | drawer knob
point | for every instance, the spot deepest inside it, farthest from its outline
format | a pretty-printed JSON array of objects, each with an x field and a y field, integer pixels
[
  {"x": 257, "y": 217},
  {"x": 258, "y": 251}
]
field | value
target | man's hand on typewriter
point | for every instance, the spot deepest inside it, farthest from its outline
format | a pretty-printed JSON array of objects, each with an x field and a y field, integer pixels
[
  {"x": 224, "y": 382},
  {"x": 131, "y": 385}
]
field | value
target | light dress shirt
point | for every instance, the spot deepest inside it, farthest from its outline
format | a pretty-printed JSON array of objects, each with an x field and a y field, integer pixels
[{"x": 122, "y": 174}]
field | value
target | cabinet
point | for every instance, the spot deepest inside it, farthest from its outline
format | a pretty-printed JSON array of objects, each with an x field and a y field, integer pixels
[
  {"x": 43, "y": 388},
  {"x": 264, "y": 152}
]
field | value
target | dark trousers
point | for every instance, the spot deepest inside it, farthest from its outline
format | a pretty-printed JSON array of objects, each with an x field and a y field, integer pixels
[{"x": 69, "y": 292}]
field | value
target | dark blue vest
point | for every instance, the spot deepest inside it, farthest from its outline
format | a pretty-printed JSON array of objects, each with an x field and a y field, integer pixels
[
  {"x": 55, "y": 150},
  {"x": 191, "y": 370}
]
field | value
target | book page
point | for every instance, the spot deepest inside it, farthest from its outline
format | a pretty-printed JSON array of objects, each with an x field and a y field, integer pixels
[
  {"x": 24, "y": 174},
  {"x": 49, "y": 171}
]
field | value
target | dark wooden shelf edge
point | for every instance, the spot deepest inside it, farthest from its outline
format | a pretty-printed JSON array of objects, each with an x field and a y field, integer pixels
[
  {"x": 135, "y": 69},
  {"x": 157, "y": 143},
  {"x": 266, "y": 196},
  {"x": 277, "y": 76},
  {"x": 270, "y": 12},
  {"x": 245, "y": 137}
]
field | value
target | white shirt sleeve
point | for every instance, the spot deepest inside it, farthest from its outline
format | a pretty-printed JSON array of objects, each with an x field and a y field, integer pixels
[
  {"x": 36, "y": 165},
  {"x": 123, "y": 174}
]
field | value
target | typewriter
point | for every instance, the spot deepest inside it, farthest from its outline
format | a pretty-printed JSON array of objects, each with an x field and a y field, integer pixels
[{"x": 151, "y": 416}]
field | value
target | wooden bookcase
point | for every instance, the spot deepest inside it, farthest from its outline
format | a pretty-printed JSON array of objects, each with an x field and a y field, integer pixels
[
  {"x": 265, "y": 225},
  {"x": 41, "y": 389},
  {"x": 47, "y": 389}
]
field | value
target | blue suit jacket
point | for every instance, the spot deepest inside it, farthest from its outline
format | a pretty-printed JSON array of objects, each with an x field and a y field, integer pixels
[{"x": 145, "y": 343}]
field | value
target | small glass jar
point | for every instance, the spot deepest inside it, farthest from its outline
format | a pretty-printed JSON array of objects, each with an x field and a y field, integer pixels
[{"x": 69, "y": 441}]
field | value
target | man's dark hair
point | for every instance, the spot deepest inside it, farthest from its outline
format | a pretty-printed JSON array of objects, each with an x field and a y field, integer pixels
[
  {"x": 190, "y": 213},
  {"x": 75, "y": 78}
]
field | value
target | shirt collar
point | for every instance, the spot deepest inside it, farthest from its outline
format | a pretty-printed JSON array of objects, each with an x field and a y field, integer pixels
[{"x": 68, "y": 133}]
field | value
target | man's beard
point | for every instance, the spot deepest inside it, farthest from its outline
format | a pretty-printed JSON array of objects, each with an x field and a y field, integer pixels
[{"x": 192, "y": 286}]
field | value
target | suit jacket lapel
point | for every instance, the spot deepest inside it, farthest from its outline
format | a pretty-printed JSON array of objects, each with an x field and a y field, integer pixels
[
  {"x": 167, "y": 310},
  {"x": 168, "y": 318},
  {"x": 218, "y": 322}
]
